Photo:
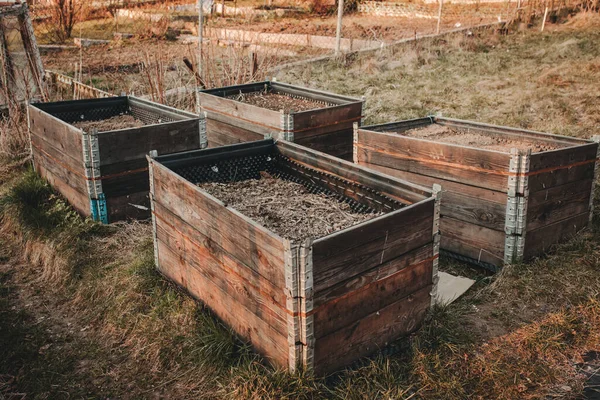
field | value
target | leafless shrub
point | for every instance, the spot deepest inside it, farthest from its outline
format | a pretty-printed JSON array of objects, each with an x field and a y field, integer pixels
[{"x": 64, "y": 14}]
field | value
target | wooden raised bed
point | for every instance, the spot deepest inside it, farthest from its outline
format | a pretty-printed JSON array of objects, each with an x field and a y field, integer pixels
[
  {"x": 318, "y": 303},
  {"x": 105, "y": 174},
  {"x": 328, "y": 128},
  {"x": 500, "y": 206}
]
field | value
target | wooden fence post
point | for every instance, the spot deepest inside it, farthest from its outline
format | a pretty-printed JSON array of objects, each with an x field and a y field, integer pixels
[
  {"x": 439, "y": 21},
  {"x": 338, "y": 33}
]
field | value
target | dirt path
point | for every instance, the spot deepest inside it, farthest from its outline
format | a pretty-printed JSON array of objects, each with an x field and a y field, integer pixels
[{"x": 45, "y": 351}]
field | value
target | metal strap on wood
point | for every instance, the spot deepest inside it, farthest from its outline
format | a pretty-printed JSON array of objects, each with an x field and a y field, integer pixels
[
  {"x": 437, "y": 194},
  {"x": 292, "y": 305},
  {"x": 305, "y": 280},
  {"x": 355, "y": 143},
  {"x": 202, "y": 128},
  {"x": 593, "y": 190},
  {"x": 91, "y": 164},
  {"x": 150, "y": 158},
  {"x": 516, "y": 206}
]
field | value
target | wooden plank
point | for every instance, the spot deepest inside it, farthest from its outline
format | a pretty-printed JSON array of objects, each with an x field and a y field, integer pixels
[
  {"x": 248, "y": 125},
  {"x": 562, "y": 157},
  {"x": 348, "y": 253},
  {"x": 560, "y": 177},
  {"x": 60, "y": 164},
  {"x": 127, "y": 182},
  {"x": 476, "y": 167},
  {"x": 467, "y": 203},
  {"x": 473, "y": 210},
  {"x": 259, "y": 249},
  {"x": 136, "y": 143},
  {"x": 79, "y": 201},
  {"x": 551, "y": 205},
  {"x": 373, "y": 290},
  {"x": 204, "y": 246},
  {"x": 127, "y": 207},
  {"x": 492, "y": 196},
  {"x": 316, "y": 122},
  {"x": 233, "y": 134},
  {"x": 265, "y": 340},
  {"x": 231, "y": 279},
  {"x": 219, "y": 108},
  {"x": 60, "y": 135},
  {"x": 542, "y": 239},
  {"x": 403, "y": 191},
  {"x": 337, "y": 144},
  {"x": 476, "y": 242},
  {"x": 332, "y": 292},
  {"x": 371, "y": 333}
]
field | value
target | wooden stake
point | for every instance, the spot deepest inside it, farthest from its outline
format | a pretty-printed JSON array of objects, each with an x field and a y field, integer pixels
[
  {"x": 338, "y": 33},
  {"x": 544, "y": 21}
]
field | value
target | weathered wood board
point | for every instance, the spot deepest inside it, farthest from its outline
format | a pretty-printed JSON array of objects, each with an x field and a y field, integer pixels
[
  {"x": 320, "y": 303},
  {"x": 327, "y": 129},
  {"x": 497, "y": 203},
  {"x": 105, "y": 174}
]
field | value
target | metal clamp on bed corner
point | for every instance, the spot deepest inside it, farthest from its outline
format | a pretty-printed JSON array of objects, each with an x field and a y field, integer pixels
[{"x": 99, "y": 209}]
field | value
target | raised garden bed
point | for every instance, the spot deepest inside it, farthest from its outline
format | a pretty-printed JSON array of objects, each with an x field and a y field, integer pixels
[
  {"x": 94, "y": 151},
  {"x": 358, "y": 271},
  {"x": 318, "y": 120},
  {"x": 509, "y": 194}
]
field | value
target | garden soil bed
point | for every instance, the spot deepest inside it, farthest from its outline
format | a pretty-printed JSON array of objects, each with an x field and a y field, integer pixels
[
  {"x": 287, "y": 208},
  {"x": 445, "y": 134},
  {"x": 110, "y": 124},
  {"x": 277, "y": 102}
]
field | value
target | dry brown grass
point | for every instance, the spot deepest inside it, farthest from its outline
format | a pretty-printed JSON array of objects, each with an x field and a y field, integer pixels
[
  {"x": 544, "y": 81},
  {"x": 519, "y": 337}
]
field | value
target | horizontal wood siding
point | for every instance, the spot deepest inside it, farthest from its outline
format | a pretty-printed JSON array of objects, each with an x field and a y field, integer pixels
[
  {"x": 221, "y": 134},
  {"x": 467, "y": 203},
  {"x": 560, "y": 184},
  {"x": 371, "y": 333},
  {"x": 540, "y": 240},
  {"x": 484, "y": 169},
  {"x": 348, "y": 253},
  {"x": 326, "y": 120},
  {"x": 337, "y": 143},
  {"x": 476, "y": 242},
  {"x": 557, "y": 203},
  {"x": 134, "y": 144},
  {"x": 58, "y": 157},
  {"x": 223, "y": 259},
  {"x": 241, "y": 115},
  {"x": 361, "y": 274}
]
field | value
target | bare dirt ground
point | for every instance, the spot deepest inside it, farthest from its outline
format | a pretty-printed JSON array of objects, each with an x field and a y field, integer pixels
[
  {"x": 287, "y": 208},
  {"x": 277, "y": 102},
  {"x": 445, "y": 134},
  {"x": 110, "y": 124}
]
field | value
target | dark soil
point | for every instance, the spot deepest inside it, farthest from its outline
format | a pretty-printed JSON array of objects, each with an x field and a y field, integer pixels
[
  {"x": 287, "y": 208},
  {"x": 277, "y": 101},
  {"x": 444, "y": 134},
  {"x": 110, "y": 124}
]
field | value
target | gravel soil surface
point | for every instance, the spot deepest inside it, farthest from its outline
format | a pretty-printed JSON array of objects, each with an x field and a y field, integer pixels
[{"x": 444, "y": 134}]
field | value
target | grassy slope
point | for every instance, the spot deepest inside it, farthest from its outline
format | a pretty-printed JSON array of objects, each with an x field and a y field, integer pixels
[
  {"x": 546, "y": 81},
  {"x": 100, "y": 322}
]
